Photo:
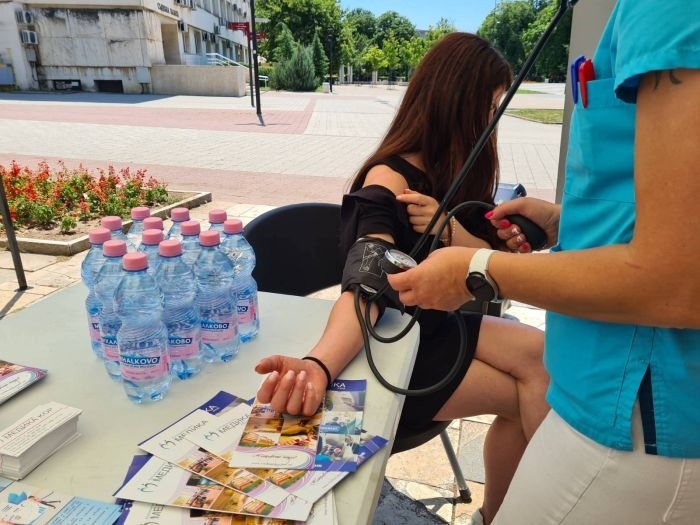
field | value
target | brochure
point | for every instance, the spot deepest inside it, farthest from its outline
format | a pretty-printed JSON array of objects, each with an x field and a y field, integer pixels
[
  {"x": 328, "y": 440},
  {"x": 160, "y": 482},
  {"x": 222, "y": 434},
  {"x": 171, "y": 445},
  {"x": 15, "y": 378},
  {"x": 22, "y": 504}
]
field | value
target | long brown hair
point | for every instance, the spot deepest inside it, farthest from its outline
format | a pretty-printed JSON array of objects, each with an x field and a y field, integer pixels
[{"x": 443, "y": 112}]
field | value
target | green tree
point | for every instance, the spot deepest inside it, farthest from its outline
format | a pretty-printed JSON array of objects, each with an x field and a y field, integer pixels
[
  {"x": 285, "y": 45},
  {"x": 374, "y": 58},
  {"x": 392, "y": 54},
  {"x": 297, "y": 73},
  {"x": 362, "y": 22},
  {"x": 442, "y": 28},
  {"x": 319, "y": 57},
  {"x": 392, "y": 22},
  {"x": 504, "y": 28},
  {"x": 555, "y": 54},
  {"x": 415, "y": 50}
]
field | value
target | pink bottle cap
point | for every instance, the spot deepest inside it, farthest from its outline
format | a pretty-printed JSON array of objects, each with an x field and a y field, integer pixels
[
  {"x": 111, "y": 222},
  {"x": 180, "y": 214},
  {"x": 140, "y": 213},
  {"x": 190, "y": 228},
  {"x": 99, "y": 235},
  {"x": 217, "y": 216},
  {"x": 233, "y": 226},
  {"x": 170, "y": 248},
  {"x": 152, "y": 237},
  {"x": 209, "y": 238},
  {"x": 153, "y": 223},
  {"x": 135, "y": 261},
  {"x": 114, "y": 248}
]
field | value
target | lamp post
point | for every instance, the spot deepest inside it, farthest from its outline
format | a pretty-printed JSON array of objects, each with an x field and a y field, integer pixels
[
  {"x": 254, "y": 59},
  {"x": 330, "y": 63},
  {"x": 11, "y": 239}
]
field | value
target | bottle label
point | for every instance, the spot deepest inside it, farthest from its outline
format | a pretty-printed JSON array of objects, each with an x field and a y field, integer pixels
[
  {"x": 182, "y": 346},
  {"x": 246, "y": 311},
  {"x": 143, "y": 367},
  {"x": 214, "y": 331},
  {"x": 94, "y": 326},
  {"x": 110, "y": 348}
]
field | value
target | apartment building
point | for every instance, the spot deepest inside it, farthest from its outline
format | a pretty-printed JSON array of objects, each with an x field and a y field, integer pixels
[{"x": 129, "y": 46}]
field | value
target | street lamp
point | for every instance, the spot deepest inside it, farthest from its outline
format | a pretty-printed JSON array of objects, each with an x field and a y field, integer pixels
[{"x": 330, "y": 62}]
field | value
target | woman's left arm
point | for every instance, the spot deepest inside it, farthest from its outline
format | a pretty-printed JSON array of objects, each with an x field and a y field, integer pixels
[{"x": 654, "y": 279}]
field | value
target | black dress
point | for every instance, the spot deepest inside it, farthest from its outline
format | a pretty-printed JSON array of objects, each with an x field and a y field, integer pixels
[{"x": 374, "y": 209}]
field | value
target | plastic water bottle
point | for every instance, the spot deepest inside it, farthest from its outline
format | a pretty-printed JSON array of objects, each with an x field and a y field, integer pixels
[
  {"x": 215, "y": 299},
  {"x": 138, "y": 214},
  {"x": 241, "y": 254},
  {"x": 114, "y": 224},
  {"x": 177, "y": 216},
  {"x": 88, "y": 271},
  {"x": 153, "y": 223},
  {"x": 106, "y": 283},
  {"x": 190, "y": 231},
  {"x": 149, "y": 245},
  {"x": 216, "y": 220},
  {"x": 180, "y": 313},
  {"x": 142, "y": 337}
]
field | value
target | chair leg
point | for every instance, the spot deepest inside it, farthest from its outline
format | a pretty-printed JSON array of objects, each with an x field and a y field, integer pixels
[{"x": 465, "y": 495}]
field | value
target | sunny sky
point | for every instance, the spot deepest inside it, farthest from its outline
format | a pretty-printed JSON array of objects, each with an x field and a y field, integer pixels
[{"x": 466, "y": 15}]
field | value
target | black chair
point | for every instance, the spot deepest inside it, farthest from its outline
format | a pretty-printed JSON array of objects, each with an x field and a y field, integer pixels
[{"x": 297, "y": 253}]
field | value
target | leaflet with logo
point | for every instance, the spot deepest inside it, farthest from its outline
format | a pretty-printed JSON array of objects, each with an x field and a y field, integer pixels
[{"x": 14, "y": 378}]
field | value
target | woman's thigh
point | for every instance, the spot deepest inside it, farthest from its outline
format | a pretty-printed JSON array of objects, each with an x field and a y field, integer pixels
[{"x": 565, "y": 478}]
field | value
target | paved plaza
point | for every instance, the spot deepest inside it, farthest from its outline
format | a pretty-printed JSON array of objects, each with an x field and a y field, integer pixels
[{"x": 307, "y": 150}]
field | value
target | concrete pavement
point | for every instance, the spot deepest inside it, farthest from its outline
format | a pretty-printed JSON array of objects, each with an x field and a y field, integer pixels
[{"x": 309, "y": 148}]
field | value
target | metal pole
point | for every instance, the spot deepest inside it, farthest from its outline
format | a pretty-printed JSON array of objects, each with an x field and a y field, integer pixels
[
  {"x": 250, "y": 70},
  {"x": 256, "y": 78},
  {"x": 330, "y": 63},
  {"x": 11, "y": 239}
]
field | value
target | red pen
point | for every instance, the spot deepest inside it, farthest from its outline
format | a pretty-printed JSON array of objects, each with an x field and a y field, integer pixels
[{"x": 585, "y": 73}]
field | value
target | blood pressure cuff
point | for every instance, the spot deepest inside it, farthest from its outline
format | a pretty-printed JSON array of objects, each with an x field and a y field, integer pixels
[{"x": 363, "y": 269}]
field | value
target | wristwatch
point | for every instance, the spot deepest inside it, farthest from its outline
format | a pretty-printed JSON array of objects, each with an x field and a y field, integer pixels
[{"x": 479, "y": 282}]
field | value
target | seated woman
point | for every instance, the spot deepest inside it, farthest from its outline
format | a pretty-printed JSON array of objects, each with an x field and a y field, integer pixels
[{"x": 447, "y": 105}]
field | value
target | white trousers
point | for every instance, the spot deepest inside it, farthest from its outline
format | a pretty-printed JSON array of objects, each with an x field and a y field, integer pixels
[{"x": 565, "y": 478}]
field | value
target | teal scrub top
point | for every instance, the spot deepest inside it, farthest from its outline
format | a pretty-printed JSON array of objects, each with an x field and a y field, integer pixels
[{"x": 598, "y": 370}]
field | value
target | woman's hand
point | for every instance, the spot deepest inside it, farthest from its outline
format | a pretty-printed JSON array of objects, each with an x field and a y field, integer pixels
[
  {"x": 294, "y": 386},
  {"x": 544, "y": 214},
  {"x": 421, "y": 209}
]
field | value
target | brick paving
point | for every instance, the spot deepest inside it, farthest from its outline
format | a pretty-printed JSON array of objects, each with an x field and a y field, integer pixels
[{"x": 308, "y": 150}]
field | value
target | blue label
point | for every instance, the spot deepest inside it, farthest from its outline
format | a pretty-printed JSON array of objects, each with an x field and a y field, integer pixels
[
  {"x": 140, "y": 361},
  {"x": 179, "y": 341},
  {"x": 109, "y": 340},
  {"x": 214, "y": 325},
  {"x": 242, "y": 308}
]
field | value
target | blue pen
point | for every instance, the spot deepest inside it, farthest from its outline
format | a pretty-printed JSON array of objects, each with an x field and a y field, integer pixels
[{"x": 574, "y": 76}]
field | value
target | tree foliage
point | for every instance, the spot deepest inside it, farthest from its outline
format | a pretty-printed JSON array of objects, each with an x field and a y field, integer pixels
[
  {"x": 297, "y": 73},
  {"x": 393, "y": 23},
  {"x": 318, "y": 55}
]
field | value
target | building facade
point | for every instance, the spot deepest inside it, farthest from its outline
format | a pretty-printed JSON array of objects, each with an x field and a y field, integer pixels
[{"x": 121, "y": 46}]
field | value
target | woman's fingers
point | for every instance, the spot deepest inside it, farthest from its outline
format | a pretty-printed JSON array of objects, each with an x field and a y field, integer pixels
[
  {"x": 267, "y": 389},
  {"x": 296, "y": 396}
]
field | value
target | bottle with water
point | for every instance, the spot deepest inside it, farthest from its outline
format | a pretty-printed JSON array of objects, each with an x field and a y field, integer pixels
[
  {"x": 106, "y": 283},
  {"x": 153, "y": 223},
  {"x": 142, "y": 337},
  {"x": 114, "y": 224},
  {"x": 180, "y": 314},
  {"x": 138, "y": 214},
  {"x": 177, "y": 216},
  {"x": 242, "y": 256},
  {"x": 190, "y": 231},
  {"x": 149, "y": 245},
  {"x": 216, "y": 220},
  {"x": 88, "y": 271},
  {"x": 215, "y": 299}
]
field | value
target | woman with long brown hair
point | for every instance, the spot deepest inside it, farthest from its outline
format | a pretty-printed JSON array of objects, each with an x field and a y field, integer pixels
[{"x": 448, "y": 103}]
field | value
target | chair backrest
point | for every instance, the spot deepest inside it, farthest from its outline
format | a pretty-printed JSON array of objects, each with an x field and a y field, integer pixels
[{"x": 297, "y": 248}]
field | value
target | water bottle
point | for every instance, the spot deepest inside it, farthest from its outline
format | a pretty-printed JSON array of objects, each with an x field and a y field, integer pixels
[
  {"x": 88, "y": 271},
  {"x": 142, "y": 337},
  {"x": 138, "y": 214},
  {"x": 106, "y": 283},
  {"x": 114, "y": 224},
  {"x": 149, "y": 245},
  {"x": 177, "y": 216},
  {"x": 153, "y": 223},
  {"x": 190, "y": 242},
  {"x": 242, "y": 256},
  {"x": 180, "y": 314},
  {"x": 216, "y": 220},
  {"x": 215, "y": 299}
]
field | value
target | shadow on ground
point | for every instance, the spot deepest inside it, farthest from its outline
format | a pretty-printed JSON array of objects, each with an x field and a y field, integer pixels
[{"x": 395, "y": 508}]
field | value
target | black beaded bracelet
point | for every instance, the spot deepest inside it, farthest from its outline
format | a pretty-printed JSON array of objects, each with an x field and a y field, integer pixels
[{"x": 323, "y": 367}]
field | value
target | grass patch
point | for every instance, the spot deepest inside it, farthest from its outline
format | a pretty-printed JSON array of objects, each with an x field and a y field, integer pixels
[
  {"x": 544, "y": 116},
  {"x": 528, "y": 92}
]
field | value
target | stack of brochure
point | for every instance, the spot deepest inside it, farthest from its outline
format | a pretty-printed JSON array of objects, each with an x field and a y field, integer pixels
[{"x": 35, "y": 436}]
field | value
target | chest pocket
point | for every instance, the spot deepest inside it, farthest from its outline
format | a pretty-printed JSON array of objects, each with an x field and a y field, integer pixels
[{"x": 601, "y": 146}]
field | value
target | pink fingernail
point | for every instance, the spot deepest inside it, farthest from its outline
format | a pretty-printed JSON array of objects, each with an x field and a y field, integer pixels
[
  {"x": 488, "y": 214},
  {"x": 504, "y": 223}
]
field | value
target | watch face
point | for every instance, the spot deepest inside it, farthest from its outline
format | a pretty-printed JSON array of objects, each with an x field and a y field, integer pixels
[{"x": 480, "y": 288}]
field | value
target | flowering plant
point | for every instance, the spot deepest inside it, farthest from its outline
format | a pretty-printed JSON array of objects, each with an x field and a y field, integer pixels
[{"x": 46, "y": 198}]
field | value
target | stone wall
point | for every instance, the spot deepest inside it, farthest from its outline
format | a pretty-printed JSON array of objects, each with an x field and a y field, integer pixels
[{"x": 218, "y": 81}]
